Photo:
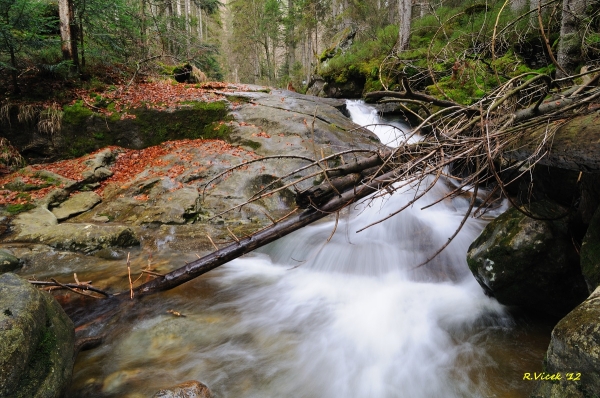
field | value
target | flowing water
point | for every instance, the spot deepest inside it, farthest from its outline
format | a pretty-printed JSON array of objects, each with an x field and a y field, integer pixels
[{"x": 352, "y": 317}]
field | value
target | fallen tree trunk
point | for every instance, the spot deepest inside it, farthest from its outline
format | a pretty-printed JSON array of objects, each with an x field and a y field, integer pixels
[{"x": 277, "y": 230}]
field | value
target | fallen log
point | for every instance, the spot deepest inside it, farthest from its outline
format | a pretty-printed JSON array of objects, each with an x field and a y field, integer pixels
[{"x": 277, "y": 230}]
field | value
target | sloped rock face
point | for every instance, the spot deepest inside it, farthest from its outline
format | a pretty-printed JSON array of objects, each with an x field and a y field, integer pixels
[
  {"x": 529, "y": 263},
  {"x": 574, "y": 354},
  {"x": 36, "y": 342}
]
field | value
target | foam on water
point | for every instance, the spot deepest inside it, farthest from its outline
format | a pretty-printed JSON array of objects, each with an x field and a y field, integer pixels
[{"x": 354, "y": 317}]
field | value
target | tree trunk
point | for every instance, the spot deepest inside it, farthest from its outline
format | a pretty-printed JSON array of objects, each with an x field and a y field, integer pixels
[
  {"x": 569, "y": 46},
  {"x": 209, "y": 262},
  {"x": 68, "y": 32},
  {"x": 405, "y": 16}
]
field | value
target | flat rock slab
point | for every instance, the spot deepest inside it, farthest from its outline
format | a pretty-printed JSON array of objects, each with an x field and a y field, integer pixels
[
  {"x": 76, "y": 204},
  {"x": 36, "y": 342},
  {"x": 79, "y": 237}
]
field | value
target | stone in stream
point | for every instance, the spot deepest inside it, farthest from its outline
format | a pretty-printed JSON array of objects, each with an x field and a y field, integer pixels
[
  {"x": 36, "y": 342},
  {"x": 529, "y": 263},
  {"x": 573, "y": 357},
  {"x": 8, "y": 262},
  {"x": 188, "y": 389}
]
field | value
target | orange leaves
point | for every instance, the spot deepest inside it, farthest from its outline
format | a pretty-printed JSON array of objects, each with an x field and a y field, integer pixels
[{"x": 169, "y": 160}]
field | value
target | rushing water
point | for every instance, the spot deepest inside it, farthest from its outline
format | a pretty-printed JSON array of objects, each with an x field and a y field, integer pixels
[{"x": 351, "y": 317}]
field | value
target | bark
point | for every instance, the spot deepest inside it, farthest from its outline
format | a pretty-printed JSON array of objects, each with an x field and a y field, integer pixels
[
  {"x": 377, "y": 95},
  {"x": 68, "y": 31},
  {"x": 569, "y": 46},
  {"x": 405, "y": 17}
]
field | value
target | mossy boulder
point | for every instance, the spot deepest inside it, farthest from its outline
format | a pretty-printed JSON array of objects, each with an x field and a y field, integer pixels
[
  {"x": 574, "y": 353},
  {"x": 529, "y": 263},
  {"x": 36, "y": 342},
  {"x": 590, "y": 253}
]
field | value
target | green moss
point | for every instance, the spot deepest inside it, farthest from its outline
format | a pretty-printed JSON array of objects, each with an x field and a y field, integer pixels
[
  {"x": 252, "y": 144},
  {"x": 76, "y": 114},
  {"x": 19, "y": 208},
  {"x": 195, "y": 120}
]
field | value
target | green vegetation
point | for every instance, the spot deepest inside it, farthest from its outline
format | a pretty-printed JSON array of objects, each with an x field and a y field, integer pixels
[
  {"x": 76, "y": 114},
  {"x": 458, "y": 51}
]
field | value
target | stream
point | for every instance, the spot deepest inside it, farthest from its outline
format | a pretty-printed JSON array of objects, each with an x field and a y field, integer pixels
[{"x": 353, "y": 317}]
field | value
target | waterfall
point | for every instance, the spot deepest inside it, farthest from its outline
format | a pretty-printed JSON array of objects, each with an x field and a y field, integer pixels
[{"x": 353, "y": 317}]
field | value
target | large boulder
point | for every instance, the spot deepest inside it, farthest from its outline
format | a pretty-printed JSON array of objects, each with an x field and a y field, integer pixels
[
  {"x": 529, "y": 263},
  {"x": 590, "y": 253},
  {"x": 36, "y": 342},
  {"x": 574, "y": 354}
]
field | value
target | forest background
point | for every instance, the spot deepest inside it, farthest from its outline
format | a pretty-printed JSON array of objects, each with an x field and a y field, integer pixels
[{"x": 449, "y": 48}]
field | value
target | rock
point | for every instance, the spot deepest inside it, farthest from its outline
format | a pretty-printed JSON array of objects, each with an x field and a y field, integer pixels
[
  {"x": 36, "y": 342},
  {"x": 79, "y": 236},
  {"x": 76, "y": 204},
  {"x": 34, "y": 220},
  {"x": 96, "y": 169},
  {"x": 574, "y": 352},
  {"x": 8, "y": 262},
  {"x": 574, "y": 146},
  {"x": 188, "y": 389},
  {"x": 529, "y": 263},
  {"x": 590, "y": 253}
]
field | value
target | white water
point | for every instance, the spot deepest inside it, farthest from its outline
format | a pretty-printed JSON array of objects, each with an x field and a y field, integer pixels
[{"x": 353, "y": 317}]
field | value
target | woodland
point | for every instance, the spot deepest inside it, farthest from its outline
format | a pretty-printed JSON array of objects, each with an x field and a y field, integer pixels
[{"x": 487, "y": 84}]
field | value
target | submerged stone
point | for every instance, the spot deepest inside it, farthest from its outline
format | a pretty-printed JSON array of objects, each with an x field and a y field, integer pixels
[{"x": 188, "y": 389}]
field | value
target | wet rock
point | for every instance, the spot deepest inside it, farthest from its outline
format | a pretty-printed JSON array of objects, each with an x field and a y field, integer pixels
[
  {"x": 8, "y": 262},
  {"x": 174, "y": 207},
  {"x": 79, "y": 237},
  {"x": 529, "y": 263},
  {"x": 76, "y": 204},
  {"x": 574, "y": 353},
  {"x": 590, "y": 253},
  {"x": 188, "y": 389},
  {"x": 36, "y": 341}
]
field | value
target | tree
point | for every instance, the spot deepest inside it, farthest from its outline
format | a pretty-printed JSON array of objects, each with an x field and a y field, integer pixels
[
  {"x": 68, "y": 32},
  {"x": 569, "y": 45},
  {"x": 405, "y": 17},
  {"x": 22, "y": 24}
]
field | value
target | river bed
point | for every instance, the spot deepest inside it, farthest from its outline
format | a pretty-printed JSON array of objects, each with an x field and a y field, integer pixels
[{"x": 303, "y": 317}]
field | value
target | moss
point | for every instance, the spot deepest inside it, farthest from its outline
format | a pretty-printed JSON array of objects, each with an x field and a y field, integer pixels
[
  {"x": 194, "y": 120},
  {"x": 76, "y": 114},
  {"x": 19, "y": 208},
  {"x": 252, "y": 144}
]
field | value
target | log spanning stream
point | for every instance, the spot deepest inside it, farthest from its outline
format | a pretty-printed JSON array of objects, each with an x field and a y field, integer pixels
[{"x": 349, "y": 318}]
